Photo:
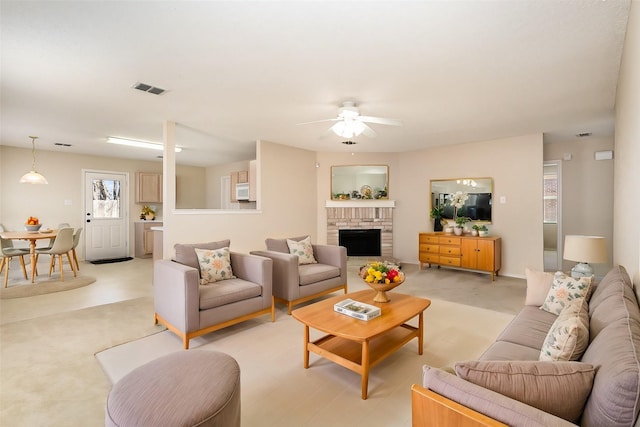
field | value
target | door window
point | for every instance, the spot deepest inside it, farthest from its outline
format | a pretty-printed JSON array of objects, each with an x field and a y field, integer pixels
[{"x": 106, "y": 198}]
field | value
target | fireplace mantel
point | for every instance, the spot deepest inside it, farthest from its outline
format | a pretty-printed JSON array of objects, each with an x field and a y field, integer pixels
[{"x": 375, "y": 203}]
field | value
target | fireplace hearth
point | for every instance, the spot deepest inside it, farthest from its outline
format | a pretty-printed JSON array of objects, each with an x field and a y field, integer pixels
[{"x": 360, "y": 242}]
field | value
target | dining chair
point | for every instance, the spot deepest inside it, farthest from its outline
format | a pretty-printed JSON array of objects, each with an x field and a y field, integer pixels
[
  {"x": 50, "y": 244},
  {"x": 8, "y": 252},
  {"x": 63, "y": 244},
  {"x": 76, "y": 240}
]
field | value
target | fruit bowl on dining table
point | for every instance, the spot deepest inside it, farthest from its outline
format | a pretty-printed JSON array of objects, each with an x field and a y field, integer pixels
[{"x": 32, "y": 227}]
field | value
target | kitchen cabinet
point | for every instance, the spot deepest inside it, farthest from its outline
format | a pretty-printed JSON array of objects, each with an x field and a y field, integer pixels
[
  {"x": 468, "y": 252},
  {"x": 144, "y": 238},
  {"x": 148, "y": 187}
]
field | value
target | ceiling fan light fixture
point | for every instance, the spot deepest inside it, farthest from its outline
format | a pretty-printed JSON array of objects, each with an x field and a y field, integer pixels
[
  {"x": 138, "y": 144},
  {"x": 348, "y": 128},
  {"x": 33, "y": 177}
]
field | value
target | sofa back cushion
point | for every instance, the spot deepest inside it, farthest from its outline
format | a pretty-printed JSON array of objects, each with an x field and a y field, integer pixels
[
  {"x": 186, "y": 253},
  {"x": 614, "y": 350},
  {"x": 280, "y": 245}
]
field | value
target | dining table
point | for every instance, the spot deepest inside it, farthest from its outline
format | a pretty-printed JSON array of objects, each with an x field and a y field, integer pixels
[{"x": 32, "y": 237}]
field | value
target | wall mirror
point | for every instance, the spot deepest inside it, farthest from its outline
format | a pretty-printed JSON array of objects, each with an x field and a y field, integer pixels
[
  {"x": 359, "y": 182},
  {"x": 207, "y": 170},
  {"x": 478, "y": 205}
]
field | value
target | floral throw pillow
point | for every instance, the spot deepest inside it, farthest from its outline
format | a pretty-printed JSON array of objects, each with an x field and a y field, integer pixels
[
  {"x": 568, "y": 337},
  {"x": 565, "y": 289},
  {"x": 215, "y": 265},
  {"x": 303, "y": 250}
]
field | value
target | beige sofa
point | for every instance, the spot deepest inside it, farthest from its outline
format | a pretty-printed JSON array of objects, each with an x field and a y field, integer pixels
[{"x": 609, "y": 368}]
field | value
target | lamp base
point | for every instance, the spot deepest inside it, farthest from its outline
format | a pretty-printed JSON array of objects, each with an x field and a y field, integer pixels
[{"x": 581, "y": 270}]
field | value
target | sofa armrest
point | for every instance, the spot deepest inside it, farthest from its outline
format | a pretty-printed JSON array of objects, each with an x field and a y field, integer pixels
[
  {"x": 255, "y": 269},
  {"x": 286, "y": 278},
  {"x": 176, "y": 294},
  {"x": 487, "y": 402},
  {"x": 431, "y": 409}
]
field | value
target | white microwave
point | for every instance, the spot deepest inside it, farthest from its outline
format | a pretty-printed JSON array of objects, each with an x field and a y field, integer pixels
[{"x": 242, "y": 191}]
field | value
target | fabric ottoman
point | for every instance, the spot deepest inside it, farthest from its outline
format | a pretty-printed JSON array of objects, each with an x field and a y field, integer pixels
[{"x": 187, "y": 388}]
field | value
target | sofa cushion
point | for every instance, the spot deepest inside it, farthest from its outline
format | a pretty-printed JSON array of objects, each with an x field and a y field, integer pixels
[
  {"x": 227, "y": 292},
  {"x": 528, "y": 328},
  {"x": 280, "y": 245},
  {"x": 563, "y": 290},
  {"x": 302, "y": 249},
  {"x": 560, "y": 388},
  {"x": 568, "y": 337},
  {"x": 186, "y": 254},
  {"x": 313, "y": 273},
  {"x": 538, "y": 285},
  {"x": 215, "y": 265},
  {"x": 504, "y": 350}
]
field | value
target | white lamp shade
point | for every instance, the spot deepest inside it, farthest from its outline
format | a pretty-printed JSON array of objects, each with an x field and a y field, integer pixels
[
  {"x": 33, "y": 177},
  {"x": 585, "y": 249}
]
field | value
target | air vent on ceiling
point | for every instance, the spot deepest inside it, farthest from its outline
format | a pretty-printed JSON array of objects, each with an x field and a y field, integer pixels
[
  {"x": 61, "y": 144},
  {"x": 583, "y": 134},
  {"x": 349, "y": 142},
  {"x": 148, "y": 88}
]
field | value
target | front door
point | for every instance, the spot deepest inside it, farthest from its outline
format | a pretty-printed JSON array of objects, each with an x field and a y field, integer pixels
[{"x": 106, "y": 215}]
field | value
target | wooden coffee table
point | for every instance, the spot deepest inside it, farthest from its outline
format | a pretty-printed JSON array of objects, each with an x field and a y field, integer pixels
[{"x": 356, "y": 344}]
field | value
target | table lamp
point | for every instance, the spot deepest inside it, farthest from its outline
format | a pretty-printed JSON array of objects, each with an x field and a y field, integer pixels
[{"x": 584, "y": 249}]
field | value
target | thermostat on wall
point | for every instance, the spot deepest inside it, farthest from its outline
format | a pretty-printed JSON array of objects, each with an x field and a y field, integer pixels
[{"x": 604, "y": 155}]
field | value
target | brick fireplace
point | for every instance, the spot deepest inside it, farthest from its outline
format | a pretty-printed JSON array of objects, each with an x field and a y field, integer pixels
[{"x": 362, "y": 215}]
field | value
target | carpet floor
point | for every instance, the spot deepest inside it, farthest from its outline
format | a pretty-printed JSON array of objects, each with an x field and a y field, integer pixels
[
  {"x": 43, "y": 287},
  {"x": 50, "y": 374}
]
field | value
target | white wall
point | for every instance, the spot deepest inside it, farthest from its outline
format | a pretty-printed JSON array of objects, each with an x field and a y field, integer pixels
[
  {"x": 287, "y": 185},
  {"x": 515, "y": 164},
  {"x": 587, "y": 192},
  {"x": 64, "y": 173},
  {"x": 626, "y": 232}
]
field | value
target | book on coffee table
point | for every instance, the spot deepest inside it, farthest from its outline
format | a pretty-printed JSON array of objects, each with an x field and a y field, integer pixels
[{"x": 356, "y": 309}]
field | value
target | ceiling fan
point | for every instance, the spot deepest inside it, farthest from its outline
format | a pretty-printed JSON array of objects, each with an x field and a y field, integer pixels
[{"x": 350, "y": 123}]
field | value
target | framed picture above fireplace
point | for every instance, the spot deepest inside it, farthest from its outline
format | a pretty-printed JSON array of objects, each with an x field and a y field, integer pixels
[
  {"x": 477, "y": 206},
  {"x": 349, "y": 182}
]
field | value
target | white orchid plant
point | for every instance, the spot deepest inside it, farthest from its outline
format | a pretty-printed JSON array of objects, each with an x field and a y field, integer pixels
[{"x": 458, "y": 199}]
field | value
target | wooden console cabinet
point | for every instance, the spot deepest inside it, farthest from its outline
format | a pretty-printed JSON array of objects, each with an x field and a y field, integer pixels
[{"x": 473, "y": 253}]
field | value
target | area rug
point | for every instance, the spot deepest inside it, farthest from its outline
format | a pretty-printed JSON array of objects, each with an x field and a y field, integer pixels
[
  {"x": 276, "y": 387},
  {"x": 45, "y": 287},
  {"x": 110, "y": 260}
]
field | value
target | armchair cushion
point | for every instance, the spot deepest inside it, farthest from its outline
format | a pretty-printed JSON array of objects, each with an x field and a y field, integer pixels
[
  {"x": 215, "y": 265},
  {"x": 227, "y": 292},
  {"x": 186, "y": 254},
  {"x": 313, "y": 273},
  {"x": 302, "y": 249},
  {"x": 280, "y": 245}
]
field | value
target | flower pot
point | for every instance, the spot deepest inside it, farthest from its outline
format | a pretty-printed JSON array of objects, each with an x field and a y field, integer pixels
[
  {"x": 448, "y": 230},
  {"x": 483, "y": 233},
  {"x": 458, "y": 231},
  {"x": 149, "y": 217},
  {"x": 474, "y": 233}
]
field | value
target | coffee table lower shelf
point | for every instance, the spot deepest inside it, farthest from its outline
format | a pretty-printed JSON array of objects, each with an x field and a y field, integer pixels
[{"x": 360, "y": 357}]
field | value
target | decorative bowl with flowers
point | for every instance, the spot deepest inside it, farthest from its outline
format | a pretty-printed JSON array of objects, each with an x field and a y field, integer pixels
[{"x": 382, "y": 276}]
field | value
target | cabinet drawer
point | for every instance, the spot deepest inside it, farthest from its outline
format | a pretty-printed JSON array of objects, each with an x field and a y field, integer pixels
[
  {"x": 428, "y": 238},
  {"x": 450, "y": 250},
  {"x": 434, "y": 249},
  {"x": 454, "y": 262},
  {"x": 449, "y": 240},
  {"x": 430, "y": 258}
]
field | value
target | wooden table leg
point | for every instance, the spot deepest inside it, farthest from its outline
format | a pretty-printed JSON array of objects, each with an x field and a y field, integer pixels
[
  {"x": 306, "y": 346},
  {"x": 365, "y": 369},
  {"x": 32, "y": 252},
  {"x": 420, "y": 332}
]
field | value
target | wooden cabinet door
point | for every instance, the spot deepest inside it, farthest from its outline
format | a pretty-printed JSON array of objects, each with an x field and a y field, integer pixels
[
  {"x": 485, "y": 255},
  {"x": 243, "y": 176},
  {"x": 469, "y": 253},
  {"x": 148, "y": 241},
  {"x": 149, "y": 188}
]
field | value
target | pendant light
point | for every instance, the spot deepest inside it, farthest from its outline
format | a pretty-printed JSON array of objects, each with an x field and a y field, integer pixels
[{"x": 33, "y": 177}]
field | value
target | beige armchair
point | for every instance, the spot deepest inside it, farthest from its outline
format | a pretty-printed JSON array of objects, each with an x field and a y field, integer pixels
[
  {"x": 190, "y": 309},
  {"x": 293, "y": 283}
]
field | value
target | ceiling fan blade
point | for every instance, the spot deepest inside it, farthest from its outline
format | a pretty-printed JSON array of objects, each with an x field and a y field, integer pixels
[
  {"x": 320, "y": 121},
  {"x": 380, "y": 120},
  {"x": 369, "y": 132}
]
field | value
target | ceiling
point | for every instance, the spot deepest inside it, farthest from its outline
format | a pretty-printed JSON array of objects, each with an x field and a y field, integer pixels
[{"x": 235, "y": 72}]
